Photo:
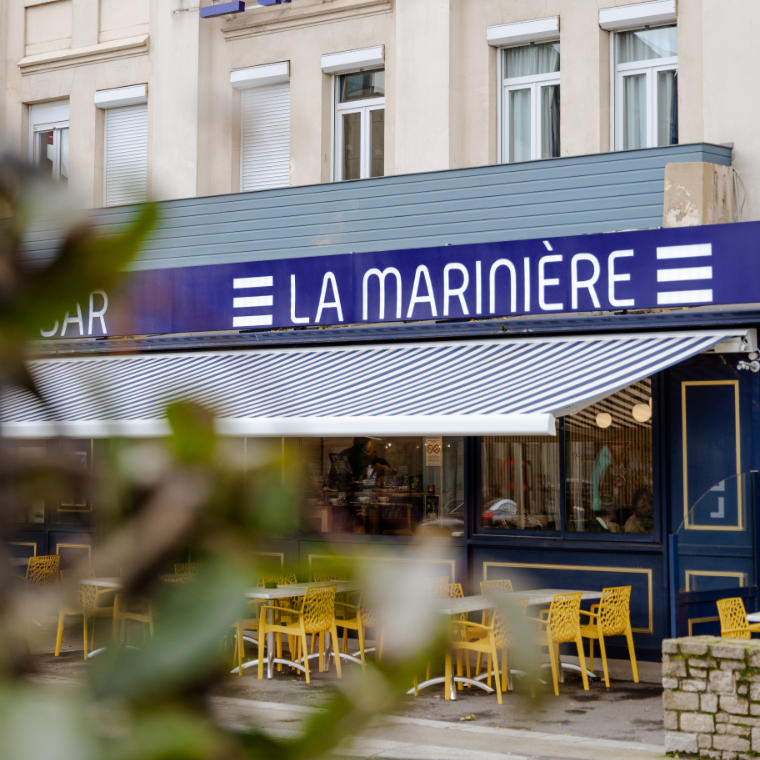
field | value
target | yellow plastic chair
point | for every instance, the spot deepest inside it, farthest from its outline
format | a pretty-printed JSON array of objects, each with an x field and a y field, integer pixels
[
  {"x": 246, "y": 627},
  {"x": 91, "y": 608},
  {"x": 495, "y": 585},
  {"x": 486, "y": 639},
  {"x": 733, "y": 619},
  {"x": 562, "y": 625},
  {"x": 443, "y": 588},
  {"x": 244, "y": 632},
  {"x": 43, "y": 569},
  {"x": 610, "y": 617},
  {"x": 316, "y": 616},
  {"x": 349, "y": 617},
  {"x": 126, "y": 611}
]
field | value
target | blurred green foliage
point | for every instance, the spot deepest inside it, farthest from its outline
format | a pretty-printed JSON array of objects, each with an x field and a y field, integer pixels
[{"x": 183, "y": 496}]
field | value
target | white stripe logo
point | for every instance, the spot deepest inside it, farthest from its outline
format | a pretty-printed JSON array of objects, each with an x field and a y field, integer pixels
[
  {"x": 252, "y": 302},
  {"x": 683, "y": 254}
]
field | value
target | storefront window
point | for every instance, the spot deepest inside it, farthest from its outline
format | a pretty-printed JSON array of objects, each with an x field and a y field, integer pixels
[
  {"x": 606, "y": 471},
  {"x": 608, "y": 486},
  {"x": 520, "y": 483},
  {"x": 383, "y": 486}
]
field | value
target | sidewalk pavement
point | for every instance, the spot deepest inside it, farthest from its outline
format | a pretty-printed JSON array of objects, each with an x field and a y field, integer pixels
[
  {"x": 624, "y": 721},
  {"x": 398, "y": 737}
]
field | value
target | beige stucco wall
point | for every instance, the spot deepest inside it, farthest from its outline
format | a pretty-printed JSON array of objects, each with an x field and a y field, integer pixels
[
  {"x": 731, "y": 106},
  {"x": 422, "y": 85},
  {"x": 262, "y": 38},
  {"x": 441, "y": 80}
]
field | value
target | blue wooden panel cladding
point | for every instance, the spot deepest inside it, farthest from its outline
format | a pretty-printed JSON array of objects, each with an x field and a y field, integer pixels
[
  {"x": 697, "y": 614},
  {"x": 605, "y": 565},
  {"x": 564, "y": 196}
]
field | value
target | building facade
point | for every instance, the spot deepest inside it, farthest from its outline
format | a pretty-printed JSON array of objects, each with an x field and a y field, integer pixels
[{"x": 435, "y": 181}]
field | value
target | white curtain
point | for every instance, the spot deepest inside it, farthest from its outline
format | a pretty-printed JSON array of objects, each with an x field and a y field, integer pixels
[
  {"x": 528, "y": 60},
  {"x": 667, "y": 108},
  {"x": 519, "y": 125},
  {"x": 634, "y": 111},
  {"x": 550, "y": 121}
]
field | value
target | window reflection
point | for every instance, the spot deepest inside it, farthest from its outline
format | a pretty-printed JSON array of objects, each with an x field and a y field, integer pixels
[
  {"x": 383, "y": 486},
  {"x": 520, "y": 483},
  {"x": 609, "y": 464}
]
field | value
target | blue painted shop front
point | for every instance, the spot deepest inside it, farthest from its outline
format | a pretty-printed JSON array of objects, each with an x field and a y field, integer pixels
[{"x": 697, "y": 416}]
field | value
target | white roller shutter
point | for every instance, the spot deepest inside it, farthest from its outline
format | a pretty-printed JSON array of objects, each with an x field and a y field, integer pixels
[
  {"x": 265, "y": 137},
  {"x": 126, "y": 155}
]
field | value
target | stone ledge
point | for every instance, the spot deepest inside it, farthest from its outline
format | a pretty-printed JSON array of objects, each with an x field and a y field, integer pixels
[
  {"x": 711, "y": 690},
  {"x": 103, "y": 51},
  {"x": 262, "y": 20}
]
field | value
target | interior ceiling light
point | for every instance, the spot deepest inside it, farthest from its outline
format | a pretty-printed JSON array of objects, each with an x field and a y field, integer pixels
[
  {"x": 603, "y": 420},
  {"x": 642, "y": 412}
]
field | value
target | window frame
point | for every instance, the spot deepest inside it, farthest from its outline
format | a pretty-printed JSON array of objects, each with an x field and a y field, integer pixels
[
  {"x": 49, "y": 124},
  {"x": 562, "y": 532},
  {"x": 534, "y": 82},
  {"x": 364, "y": 107},
  {"x": 650, "y": 68}
]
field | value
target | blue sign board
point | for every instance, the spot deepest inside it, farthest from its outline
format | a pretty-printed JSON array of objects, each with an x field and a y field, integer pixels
[{"x": 650, "y": 269}]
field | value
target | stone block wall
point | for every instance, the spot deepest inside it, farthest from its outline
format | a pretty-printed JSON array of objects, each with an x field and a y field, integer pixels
[{"x": 711, "y": 695}]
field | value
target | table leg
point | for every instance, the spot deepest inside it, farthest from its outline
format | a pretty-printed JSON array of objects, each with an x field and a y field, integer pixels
[
  {"x": 270, "y": 643},
  {"x": 116, "y": 632}
]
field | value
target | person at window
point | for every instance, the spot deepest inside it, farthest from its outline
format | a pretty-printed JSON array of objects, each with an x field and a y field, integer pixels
[
  {"x": 642, "y": 517},
  {"x": 365, "y": 462},
  {"x": 608, "y": 520}
]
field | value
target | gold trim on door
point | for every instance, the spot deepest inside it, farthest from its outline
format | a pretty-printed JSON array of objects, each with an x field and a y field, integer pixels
[
  {"x": 33, "y": 544},
  {"x": 694, "y": 621},
  {"x": 279, "y": 555},
  {"x": 689, "y": 574},
  {"x": 451, "y": 563},
  {"x": 737, "y": 426},
  {"x": 593, "y": 568}
]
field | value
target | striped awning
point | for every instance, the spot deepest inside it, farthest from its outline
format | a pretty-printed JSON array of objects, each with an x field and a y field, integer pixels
[{"x": 487, "y": 387}]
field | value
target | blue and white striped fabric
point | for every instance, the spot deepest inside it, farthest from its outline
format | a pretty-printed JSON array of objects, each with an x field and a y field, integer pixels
[{"x": 491, "y": 387}]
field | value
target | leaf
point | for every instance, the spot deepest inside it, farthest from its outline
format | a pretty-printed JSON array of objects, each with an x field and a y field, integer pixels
[
  {"x": 170, "y": 733},
  {"x": 36, "y": 722},
  {"x": 191, "y": 622},
  {"x": 192, "y": 432},
  {"x": 86, "y": 261}
]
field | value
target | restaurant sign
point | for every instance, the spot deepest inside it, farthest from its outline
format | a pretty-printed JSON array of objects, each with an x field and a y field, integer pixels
[{"x": 690, "y": 266}]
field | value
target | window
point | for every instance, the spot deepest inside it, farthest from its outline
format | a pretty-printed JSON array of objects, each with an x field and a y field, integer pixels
[
  {"x": 126, "y": 155},
  {"x": 265, "y": 137},
  {"x": 646, "y": 88},
  {"x": 125, "y": 144},
  {"x": 264, "y": 125},
  {"x": 49, "y": 125},
  {"x": 360, "y": 125},
  {"x": 604, "y": 477},
  {"x": 608, "y": 483},
  {"x": 520, "y": 489},
  {"x": 383, "y": 486},
  {"x": 530, "y": 102}
]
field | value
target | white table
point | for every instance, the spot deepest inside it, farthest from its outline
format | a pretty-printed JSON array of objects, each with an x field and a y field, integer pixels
[
  {"x": 287, "y": 591},
  {"x": 753, "y": 617},
  {"x": 111, "y": 582},
  {"x": 480, "y": 602}
]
